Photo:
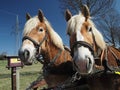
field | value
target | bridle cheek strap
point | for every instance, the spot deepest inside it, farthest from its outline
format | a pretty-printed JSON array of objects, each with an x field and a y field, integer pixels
[{"x": 37, "y": 45}]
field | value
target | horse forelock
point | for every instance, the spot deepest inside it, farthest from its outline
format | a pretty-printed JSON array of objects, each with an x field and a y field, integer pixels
[
  {"x": 30, "y": 24},
  {"x": 55, "y": 38},
  {"x": 74, "y": 24}
]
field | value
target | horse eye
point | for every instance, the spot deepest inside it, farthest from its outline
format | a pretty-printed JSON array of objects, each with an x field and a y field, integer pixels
[{"x": 40, "y": 29}]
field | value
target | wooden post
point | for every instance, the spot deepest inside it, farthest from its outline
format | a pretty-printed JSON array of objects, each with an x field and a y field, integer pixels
[
  {"x": 13, "y": 63},
  {"x": 17, "y": 78},
  {"x": 13, "y": 78}
]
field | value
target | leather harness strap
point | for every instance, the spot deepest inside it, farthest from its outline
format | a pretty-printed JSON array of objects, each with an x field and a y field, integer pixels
[{"x": 52, "y": 62}]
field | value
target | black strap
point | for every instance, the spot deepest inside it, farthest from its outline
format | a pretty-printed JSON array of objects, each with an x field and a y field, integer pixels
[
  {"x": 79, "y": 44},
  {"x": 32, "y": 40},
  {"x": 37, "y": 45},
  {"x": 55, "y": 58},
  {"x": 85, "y": 44}
]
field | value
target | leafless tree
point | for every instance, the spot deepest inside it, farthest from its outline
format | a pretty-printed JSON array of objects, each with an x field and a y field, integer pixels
[
  {"x": 97, "y": 7},
  {"x": 110, "y": 26},
  {"x": 105, "y": 17}
]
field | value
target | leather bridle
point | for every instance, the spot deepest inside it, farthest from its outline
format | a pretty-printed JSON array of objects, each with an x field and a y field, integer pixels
[
  {"x": 37, "y": 45},
  {"x": 78, "y": 44}
]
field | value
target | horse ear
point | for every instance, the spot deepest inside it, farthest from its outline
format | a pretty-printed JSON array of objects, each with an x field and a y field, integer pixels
[
  {"x": 40, "y": 16},
  {"x": 68, "y": 15},
  {"x": 28, "y": 16},
  {"x": 85, "y": 12}
]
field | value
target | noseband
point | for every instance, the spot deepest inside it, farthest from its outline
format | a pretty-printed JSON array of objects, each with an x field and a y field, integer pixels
[{"x": 78, "y": 44}]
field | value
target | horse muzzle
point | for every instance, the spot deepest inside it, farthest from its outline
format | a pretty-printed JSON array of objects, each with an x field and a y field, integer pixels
[{"x": 24, "y": 56}]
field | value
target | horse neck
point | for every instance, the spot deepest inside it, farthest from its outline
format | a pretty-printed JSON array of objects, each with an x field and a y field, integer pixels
[{"x": 51, "y": 51}]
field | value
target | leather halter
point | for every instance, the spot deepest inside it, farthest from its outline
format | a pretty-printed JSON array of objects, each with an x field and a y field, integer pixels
[
  {"x": 78, "y": 44},
  {"x": 37, "y": 45},
  {"x": 33, "y": 41}
]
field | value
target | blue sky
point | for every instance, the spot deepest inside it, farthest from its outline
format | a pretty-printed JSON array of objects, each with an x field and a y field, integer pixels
[{"x": 10, "y": 8}]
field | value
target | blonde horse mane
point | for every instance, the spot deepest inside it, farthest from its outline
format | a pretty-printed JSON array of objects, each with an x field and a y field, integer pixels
[
  {"x": 98, "y": 36},
  {"x": 80, "y": 19},
  {"x": 55, "y": 38}
]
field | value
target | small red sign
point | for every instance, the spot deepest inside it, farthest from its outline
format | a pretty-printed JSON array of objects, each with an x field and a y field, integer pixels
[{"x": 14, "y": 61}]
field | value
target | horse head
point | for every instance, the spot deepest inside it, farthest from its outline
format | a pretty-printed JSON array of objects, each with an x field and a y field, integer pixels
[
  {"x": 34, "y": 35},
  {"x": 39, "y": 38},
  {"x": 84, "y": 39}
]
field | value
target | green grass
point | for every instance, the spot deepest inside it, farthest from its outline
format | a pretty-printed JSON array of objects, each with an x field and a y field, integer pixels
[{"x": 28, "y": 74}]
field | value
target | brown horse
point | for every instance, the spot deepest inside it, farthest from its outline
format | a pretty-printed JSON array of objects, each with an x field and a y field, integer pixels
[
  {"x": 87, "y": 43},
  {"x": 39, "y": 38},
  {"x": 90, "y": 51}
]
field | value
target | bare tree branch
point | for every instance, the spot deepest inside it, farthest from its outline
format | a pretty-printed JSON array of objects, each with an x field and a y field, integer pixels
[
  {"x": 107, "y": 18},
  {"x": 111, "y": 25},
  {"x": 97, "y": 7}
]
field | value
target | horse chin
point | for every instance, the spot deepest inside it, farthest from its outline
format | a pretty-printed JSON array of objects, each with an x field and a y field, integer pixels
[{"x": 86, "y": 73}]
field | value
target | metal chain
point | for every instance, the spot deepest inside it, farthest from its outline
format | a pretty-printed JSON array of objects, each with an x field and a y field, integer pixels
[{"x": 75, "y": 77}]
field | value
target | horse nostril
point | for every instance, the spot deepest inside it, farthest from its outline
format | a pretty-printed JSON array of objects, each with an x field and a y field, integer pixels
[
  {"x": 26, "y": 54},
  {"x": 89, "y": 62}
]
